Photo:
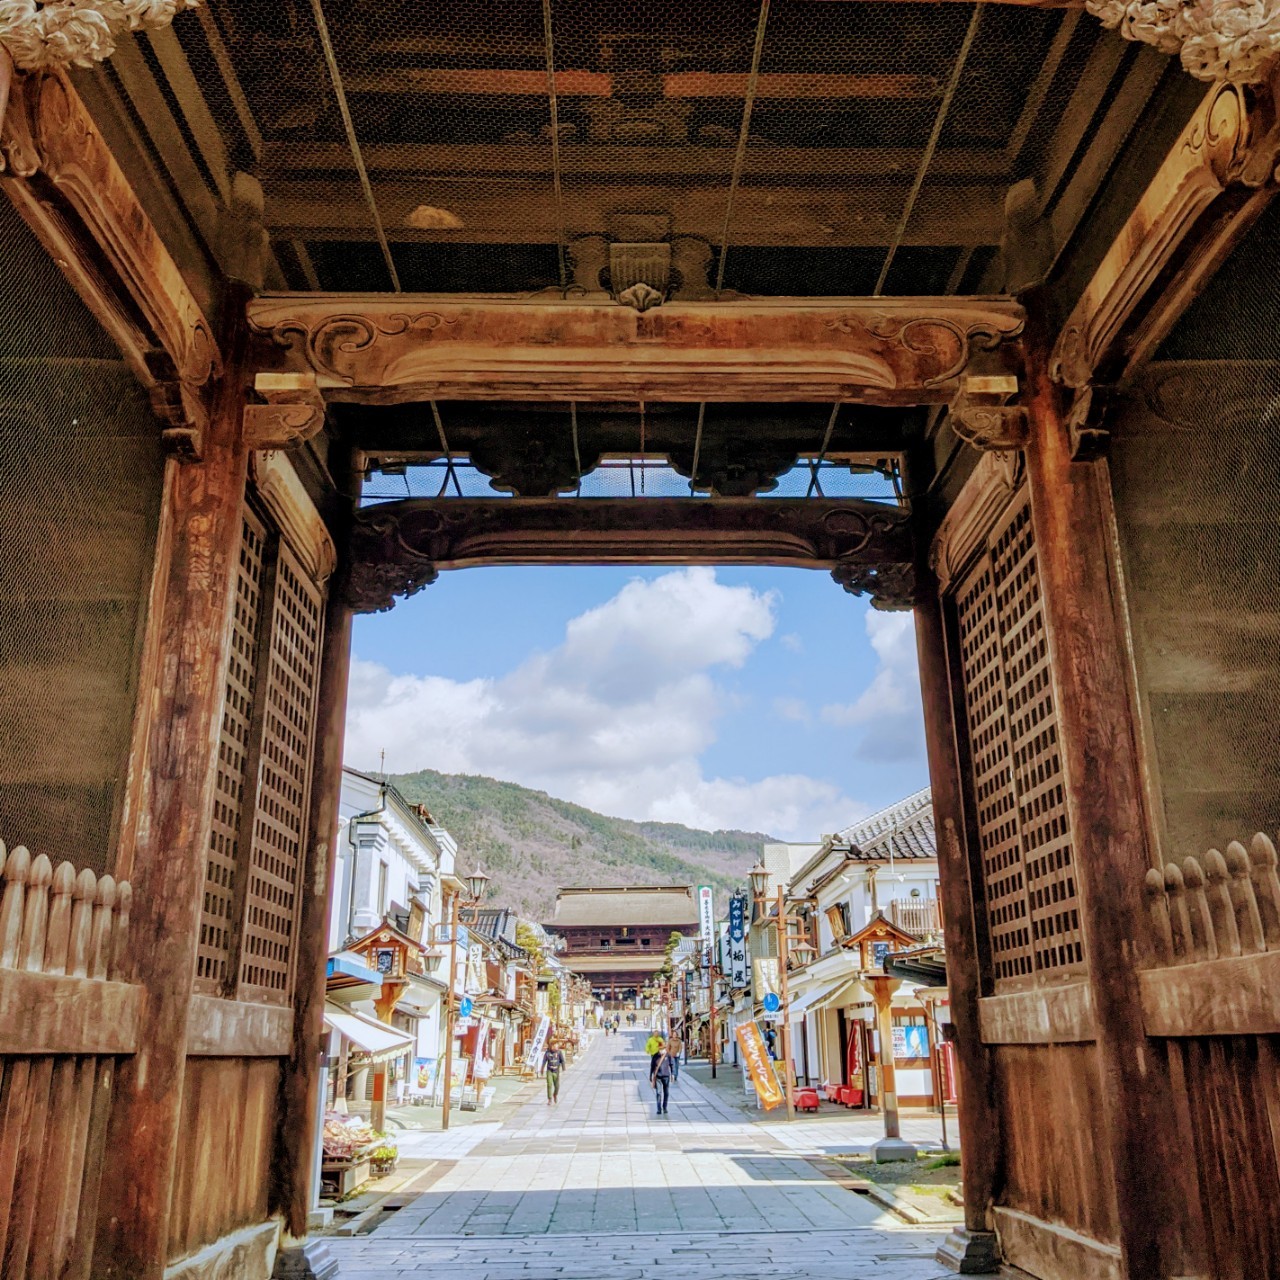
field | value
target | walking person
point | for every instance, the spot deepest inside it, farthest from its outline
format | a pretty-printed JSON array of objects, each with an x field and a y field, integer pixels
[
  {"x": 660, "y": 1077},
  {"x": 553, "y": 1063},
  {"x": 675, "y": 1047},
  {"x": 653, "y": 1043}
]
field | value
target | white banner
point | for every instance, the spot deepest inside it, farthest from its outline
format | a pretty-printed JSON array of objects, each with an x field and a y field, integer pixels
[
  {"x": 533, "y": 1057},
  {"x": 706, "y": 917}
]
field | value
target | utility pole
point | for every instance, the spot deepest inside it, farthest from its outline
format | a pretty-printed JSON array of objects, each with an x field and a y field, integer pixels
[
  {"x": 448, "y": 1007},
  {"x": 785, "y": 1011}
]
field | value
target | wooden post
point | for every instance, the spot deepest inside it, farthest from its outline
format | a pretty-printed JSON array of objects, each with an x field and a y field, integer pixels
[
  {"x": 6, "y": 81},
  {"x": 304, "y": 1072},
  {"x": 891, "y": 1146},
  {"x": 784, "y": 1022},
  {"x": 175, "y": 775},
  {"x": 972, "y": 1250},
  {"x": 1088, "y": 644}
]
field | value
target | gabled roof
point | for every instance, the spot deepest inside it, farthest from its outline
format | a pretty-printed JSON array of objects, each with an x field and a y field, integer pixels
[
  {"x": 672, "y": 905},
  {"x": 878, "y": 928}
]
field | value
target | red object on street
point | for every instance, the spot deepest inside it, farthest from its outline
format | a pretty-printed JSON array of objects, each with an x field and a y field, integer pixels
[{"x": 806, "y": 1099}]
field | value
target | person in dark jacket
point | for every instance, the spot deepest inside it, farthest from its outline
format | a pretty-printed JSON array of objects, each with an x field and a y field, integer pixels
[
  {"x": 660, "y": 1071},
  {"x": 553, "y": 1062}
]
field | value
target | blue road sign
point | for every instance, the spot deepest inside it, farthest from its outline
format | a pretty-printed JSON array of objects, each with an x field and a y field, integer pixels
[
  {"x": 772, "y": 1002},
  {"x": 464, "y": 1007}
]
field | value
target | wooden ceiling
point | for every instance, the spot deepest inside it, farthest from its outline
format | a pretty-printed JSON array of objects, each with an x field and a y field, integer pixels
[{"x": 796, "y": 148}]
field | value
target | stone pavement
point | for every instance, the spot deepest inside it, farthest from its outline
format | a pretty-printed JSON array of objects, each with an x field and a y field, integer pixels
[{"x": 600, "y": 1186}]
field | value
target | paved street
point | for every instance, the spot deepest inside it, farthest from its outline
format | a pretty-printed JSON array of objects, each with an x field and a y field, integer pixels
[{"x": 602, "y": 1187}]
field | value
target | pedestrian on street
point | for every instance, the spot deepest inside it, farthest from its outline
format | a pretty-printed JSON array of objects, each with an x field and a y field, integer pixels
[
  {"x": 675, "y": 1047},
  {"x": 660, "y": 1077},
  {"x": 553, "y": 1062},
  {"x": 653, "y": 1044}
]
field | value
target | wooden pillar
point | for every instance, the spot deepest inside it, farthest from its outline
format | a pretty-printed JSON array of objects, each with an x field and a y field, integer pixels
[
  {"x": 972, "y": 1250},
  {"x": 304, "y": 1070},
  {"x": 1071, "y": 509},
  {"x": 891, "y": 1146},
  {"x": 173, "y": 778},
  {"x": 6, "y": 80}
]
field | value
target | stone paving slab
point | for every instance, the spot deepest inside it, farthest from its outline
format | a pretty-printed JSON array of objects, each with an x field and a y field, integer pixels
[{"x": 599, "y": 1186}]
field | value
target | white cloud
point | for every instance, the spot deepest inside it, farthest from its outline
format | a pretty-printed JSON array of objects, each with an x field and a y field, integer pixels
[
  {"x": 889, "y": 707},
  {"x": 615, "y": 717},
  {"x": 792, "y": 641}
]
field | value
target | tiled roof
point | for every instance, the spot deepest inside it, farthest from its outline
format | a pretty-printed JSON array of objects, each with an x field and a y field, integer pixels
[
  {"x": 672, "y": 905},
  {"x": 906, "y": 826}
]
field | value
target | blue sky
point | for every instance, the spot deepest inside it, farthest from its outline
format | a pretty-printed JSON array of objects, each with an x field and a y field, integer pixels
[{"x": 764, "y": 699}]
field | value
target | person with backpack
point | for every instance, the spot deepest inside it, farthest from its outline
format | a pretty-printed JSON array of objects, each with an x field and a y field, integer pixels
[
  {"x": 553, "y": 1061},
  {"x": 660, "y": 1070}
]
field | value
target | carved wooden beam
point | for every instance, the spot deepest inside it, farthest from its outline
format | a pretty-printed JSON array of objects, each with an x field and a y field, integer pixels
[
  {"x": 1210, "y": 189},
  {"x": 77, "y": 33},
  {"x": 68, "y": 187},
  {"x": 399, "y": 547},
  {"x": 379, "y": 349}
]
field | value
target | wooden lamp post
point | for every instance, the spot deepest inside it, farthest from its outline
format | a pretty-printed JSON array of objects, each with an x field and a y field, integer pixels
[
  {"x": 891, "y": 1146},
  {"x": 476, "y": 883}
]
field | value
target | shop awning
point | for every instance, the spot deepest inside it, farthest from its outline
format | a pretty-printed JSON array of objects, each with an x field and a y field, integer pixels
[
  {"x": 815, "y": 997},
  {"x": 845, "y": 992},
  {"x": 366, "y": 1034}
]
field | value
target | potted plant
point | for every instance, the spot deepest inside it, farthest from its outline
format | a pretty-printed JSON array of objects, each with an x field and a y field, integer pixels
[{"x": 383, "y": 1157}]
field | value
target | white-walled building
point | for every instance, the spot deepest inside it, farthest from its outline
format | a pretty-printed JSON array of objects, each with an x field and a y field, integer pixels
[{"x": 394, "y": 864}]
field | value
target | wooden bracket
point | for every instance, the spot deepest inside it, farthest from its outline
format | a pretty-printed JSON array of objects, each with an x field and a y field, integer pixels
[
  {"x": 980, "y": 416},
  {"x": 293, "y": 412}
]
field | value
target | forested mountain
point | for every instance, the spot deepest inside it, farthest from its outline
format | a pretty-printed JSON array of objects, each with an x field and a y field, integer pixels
[{"x": 531, "y": 844}]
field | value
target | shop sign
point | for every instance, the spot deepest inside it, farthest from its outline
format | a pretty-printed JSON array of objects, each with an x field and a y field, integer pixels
[
  {"x": 533, "y": 1055},
  {"x": 759, "y": 1065},
  {"x": 706, "y": 917},
  {"x": 911, "y": 1042},
  {"x": 765, "y": 974},
  {"x": 737, "y": 965}
]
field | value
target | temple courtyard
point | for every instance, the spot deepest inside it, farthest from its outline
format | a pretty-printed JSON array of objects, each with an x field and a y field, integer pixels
[{"x": 601, "y": 1186}]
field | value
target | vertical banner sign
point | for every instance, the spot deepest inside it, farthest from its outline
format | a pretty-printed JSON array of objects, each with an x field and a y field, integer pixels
[
  {"x": 737, "y": 941},
  {"x": 765, "y": 977},
  {"x": 706, "y": 918},
  {"x": 533, "y": 1056},
  {"x": 756, "y": 1056}
]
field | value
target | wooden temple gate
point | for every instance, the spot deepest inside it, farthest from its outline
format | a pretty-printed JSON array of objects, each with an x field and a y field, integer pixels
[{"x": 1087, "y": 535}]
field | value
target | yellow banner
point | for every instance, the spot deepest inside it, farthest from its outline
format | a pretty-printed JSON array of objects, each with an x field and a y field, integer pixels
[{"x": 763, "y": 1076}]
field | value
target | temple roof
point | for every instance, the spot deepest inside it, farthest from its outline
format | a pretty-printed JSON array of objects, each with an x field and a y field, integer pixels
[
  {"x": 672, "y": 905},
  {"x": 905, "y": 828}
]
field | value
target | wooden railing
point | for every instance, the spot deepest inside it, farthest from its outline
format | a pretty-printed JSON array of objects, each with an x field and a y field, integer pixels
[
  {"x": 61, "y": 922},
  {"x": 1221, "y": 905},
  {"x": 64, "y": 1019},
  {"x": 916, "y": 915}
]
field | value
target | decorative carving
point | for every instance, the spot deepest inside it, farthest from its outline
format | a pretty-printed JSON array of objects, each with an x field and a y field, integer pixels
[
  {"x": 640, "y": 273},
  {"x": 293, "y": 413},
  {"x": 895, "y": 351},
  {"x": 980, "y": 417},
  {"x": 987, "y": 492},
  {"x": 892, "y": 587},
  {"x": 1186, "y": 222},
  {"x": 397, "y": 547},
  {"x": 1232, "y": 40},
  {"x": 77, "y": 33},
  {"x": 534, "y": 465},
  {"x": 79, "y": 202},
  {"x": 640, "y": 296},
  {"x": 1087, "y": 428}
]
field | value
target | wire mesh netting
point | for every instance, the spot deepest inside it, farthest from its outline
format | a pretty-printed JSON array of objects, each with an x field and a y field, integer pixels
[
  {"x": 1196, "y": 467},
  {"x": 774, "y": 146},
  {"x": 80, "y": 482}
]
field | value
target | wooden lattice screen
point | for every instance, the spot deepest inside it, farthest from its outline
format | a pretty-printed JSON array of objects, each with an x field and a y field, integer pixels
[
  {"x": 280, "y": 814},
  {"x": 223, "y": 865},
  {"x": 1019, "y": 789},
  {"x": 264, "y": 761}
]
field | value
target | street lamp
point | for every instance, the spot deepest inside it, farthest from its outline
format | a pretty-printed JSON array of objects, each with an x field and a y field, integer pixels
[
  {"x": 759, "y": 882},
  {"x": 476, "y": 882}
]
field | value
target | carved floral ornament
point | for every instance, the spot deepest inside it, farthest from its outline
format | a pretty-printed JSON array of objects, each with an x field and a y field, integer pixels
[
  {"x": 1233, "y": 40},
  {"x": 62, "y": 33}
]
